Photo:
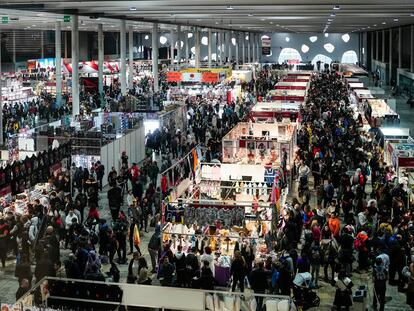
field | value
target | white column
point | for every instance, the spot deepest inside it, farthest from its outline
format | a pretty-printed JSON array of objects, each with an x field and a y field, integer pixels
[
  {"x": 220, "y": 46},
  {"x": 249, "y": 59},
  {"x": 237, "y": 36},
  {"x": 390, "y": 59},
  {"x": 229, "y": 45},
  {"x": 100, "y": 58},
  {"x": 258, "y": 47},
  {"x": 131, "y": 57},
  {"x": 400, "y": 47},
  {"x": 75, "y": 66},
  {"x": 122, "y": 73},
  {"x": 243, "y": 41},
  {"x": 154, "y": 48},
  {"x": 197, "y": 48},
  {"x": 58, "y": 56},
  {"x": 412, "y": 49},
  {"x": 172, "y": 41},
  {"x": 253, "y": 47},
  {"x": 187, "y": 48},
  {"x": 377, "y": 45},
  {"x": 178, "y": 44},
  {"x": 42, "y": 44},
  {"x": 209, "y": 48},
  {"x": 14, "y": 50}
]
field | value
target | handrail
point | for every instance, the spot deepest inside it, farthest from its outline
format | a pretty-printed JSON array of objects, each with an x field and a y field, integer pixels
[{"x": 154, "y": 288}]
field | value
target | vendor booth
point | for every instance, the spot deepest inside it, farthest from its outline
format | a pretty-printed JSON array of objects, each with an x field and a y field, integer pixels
[
  {"x": 275, "y": 111},
  {"x": 289, "y": 94},
  {"x": 291, "y": 85},
  {"x": 379, "y": 114},
  {"x": 260, "y": 143}
]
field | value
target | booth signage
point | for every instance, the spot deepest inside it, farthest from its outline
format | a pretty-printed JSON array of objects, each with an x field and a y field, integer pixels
[
  {"x": 66, "y": 18},
  {"x": 266, "y": 45},
  {"x": 174, "y": 76},
  {"x": 210, "y": 77},
  {"x": 191, "y": 77},
  {"x": 5, "y": 20}
]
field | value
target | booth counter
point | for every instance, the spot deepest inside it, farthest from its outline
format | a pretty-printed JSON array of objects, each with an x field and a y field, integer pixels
[
  {"x": 352, "y": 70},
  {"x": 362, "y": 94},
  {"x": 242, "y": 76},
  {"x": 378, "y": 113},
  {"x": 291, "y": 86},
  {"x": 357, "y": 85}
]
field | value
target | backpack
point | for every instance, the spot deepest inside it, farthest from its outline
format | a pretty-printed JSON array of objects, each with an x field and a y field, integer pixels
[{"x": 380, "y": 273}]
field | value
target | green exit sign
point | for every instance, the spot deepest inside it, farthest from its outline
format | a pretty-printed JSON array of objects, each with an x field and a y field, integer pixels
[
  {"x": 4, "y": 19},
  {"x": 66, "y": 18}
]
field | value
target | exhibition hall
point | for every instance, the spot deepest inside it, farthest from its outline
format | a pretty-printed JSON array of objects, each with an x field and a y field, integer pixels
[{"x": 193, "y": 156}]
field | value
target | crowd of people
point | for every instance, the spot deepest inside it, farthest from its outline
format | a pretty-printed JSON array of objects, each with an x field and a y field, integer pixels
[{"x": 350, "y": 214}]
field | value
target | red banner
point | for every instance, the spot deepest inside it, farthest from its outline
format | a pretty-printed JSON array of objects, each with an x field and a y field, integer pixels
[
  {"x": 406, "y": 162},
  {"x": 174, "y": 76},
  {"x": 289, "y": 87},
  {"x": 210, "y": 77},
  {"x": 294, "y": 98},
  {"x": 294, "y": 80}
]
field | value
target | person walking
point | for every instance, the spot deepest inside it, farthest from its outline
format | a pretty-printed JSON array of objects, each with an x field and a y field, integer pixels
[
  {"x": 238, "y": 271},
  {"x": 115, "y": 201},
  {"x": 343, "y": 291},
  {"x": 379, "y": 277},
  {"x": 258, "y": 282},
  {"x": 154, "y": 247},
  {"x": 100, "y": 172}
]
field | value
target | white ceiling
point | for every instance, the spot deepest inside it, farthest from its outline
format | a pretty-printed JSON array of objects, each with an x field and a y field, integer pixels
[{"x": 247, "y": 15}]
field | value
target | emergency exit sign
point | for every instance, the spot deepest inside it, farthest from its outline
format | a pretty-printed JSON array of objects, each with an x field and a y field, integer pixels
[
  {"x": 66, "y": 18},
  {"x": 4, "y": 19}
]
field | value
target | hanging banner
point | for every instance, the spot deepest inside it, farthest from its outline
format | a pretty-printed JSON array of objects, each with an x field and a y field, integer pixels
[
  {"x": 174, "y": 76},
  {"x": 191, "y": 77},
  {"x": 210, "y": 77},
  {"x": 266, "y": 45}
]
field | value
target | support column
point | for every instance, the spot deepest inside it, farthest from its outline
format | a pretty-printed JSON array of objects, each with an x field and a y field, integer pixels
[
  {"x": 100, "y": 59},
  {"x": 178, "y": 45},
  {"x": 1, "y": 103},
  {"x": 58, "y": 56},
  {"x": 258, "y": 48},
  {"x": 253, "y": 47},
  {"x": 412, "y": 49},
  {"x": 249, "y": 48},
  {"x": 187, "y": 48},
  {"x": 243, "y": 40},
  {"x": 122, "y": 73},
  {"x": 230, "y": 46},
  {"x": 131, "y": 57},
  {"x": 377, "y": 45},
  {"x": 42, "y": 45},
  {"x": 209, "y": 48},
  {"x": 220, "y": 47},
  {"x": 400, "y": 47},
  {"x": 75, "y": 66},
  {"x": 383, "y": 46},
  {"x": 372, "y": 51},
  {"x": 154, "y": 48},
  {"x": 197, "y": 48},
  {"x": 390, "y": 57},
  {"x": 237, "y": 36},
  {"x": 172, "y": 42},
  {"x": 14, "y": 50}
]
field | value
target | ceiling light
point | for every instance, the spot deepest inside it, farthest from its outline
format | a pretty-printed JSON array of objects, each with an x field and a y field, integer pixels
[
  {"x": 216, "y": 23},
  {"x": 40, "y": 14},
  {"x": 329, "y": 20},
  {"x": 336, "y": 7},
  {"x": 375, "y": 25},
  {"x": 33, "y": 25},
  {"x": 368, "y": 27},
  {"x": 198, "y": 19},
  {"x": 395, "y": 19},
  {"x": 262, "y": 19},
  {"x": 271, "y": 23},
  {"x": 412, "y": 14},
  {"x": 277, "y": 25},
  {"x": 326, "y": 35},
  {"x": 132, "y": 8},
  {"x": 333, "y": 14},
  {"x": 384, "y": 23},
  {"x": 250, "y": 15},
  {"x": 229, "y": 7}
]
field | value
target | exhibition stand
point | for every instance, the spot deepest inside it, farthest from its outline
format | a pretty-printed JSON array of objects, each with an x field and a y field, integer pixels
[{"x": 275, "y": 111}]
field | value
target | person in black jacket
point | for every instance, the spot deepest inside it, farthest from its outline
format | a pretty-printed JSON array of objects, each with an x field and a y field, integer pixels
[
  {"x": 23, "y": 270},
  {"x": 120, "y": 230},
  {"x": 180, "y": 267},
  {"x": 23, "y": 288},
  {"x": 238, "y": 271},
  {"x": 206, "y": 280},
  {"x": 192, "y": 264},
  {"x": 115, "y": 201},
  {"x": 258, "y": 282}
]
